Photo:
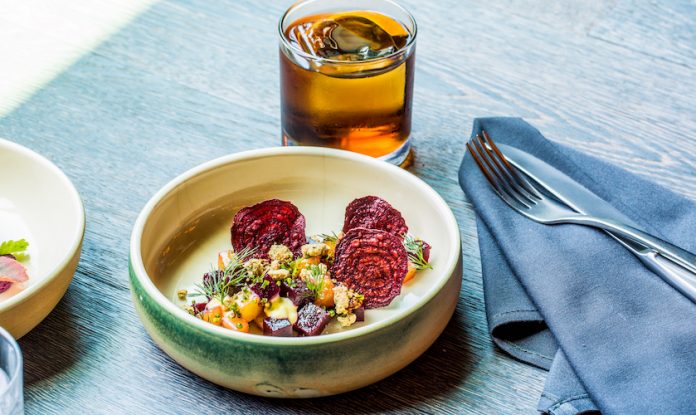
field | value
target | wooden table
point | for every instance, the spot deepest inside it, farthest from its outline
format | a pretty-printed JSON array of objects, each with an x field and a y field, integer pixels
[{"x": 188, "y": 81}]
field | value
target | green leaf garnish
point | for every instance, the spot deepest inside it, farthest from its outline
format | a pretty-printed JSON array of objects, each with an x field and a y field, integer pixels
[
  {"x": 15, "y": 248},
  {"x": 414, "y": 248}
]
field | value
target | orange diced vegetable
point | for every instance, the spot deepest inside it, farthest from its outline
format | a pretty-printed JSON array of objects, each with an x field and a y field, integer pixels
[
  {"x": 224, "y": 258},
  {"x": 231, "y": 322},
  {"x": 251, "y": 308},
  {"x": 325, "y": 298},
  {"x": 410, "y": 273},
  {"x": 213, "y": 314}
]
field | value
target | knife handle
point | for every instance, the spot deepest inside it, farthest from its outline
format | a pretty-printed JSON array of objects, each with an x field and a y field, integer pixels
[
  {"x": 681, "y": 256},
  {"x": 678, "y": 277}
]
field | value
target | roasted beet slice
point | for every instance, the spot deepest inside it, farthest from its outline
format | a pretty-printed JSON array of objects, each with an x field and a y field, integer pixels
[
  {"x": 359, "y": 313},
  {"x": 277, "y": 327},
  {"x": 426, "y": 251},
  {"x": 372, "y": 212},
  {"x": 268, "y": 288},
  {"x": 298, "y": 292},
  {"x": 199, "y": 307},
  {"x": 311, "y": 320},
  {"x": 371, "y": 262},
  {"x": 268, "y": 223}
]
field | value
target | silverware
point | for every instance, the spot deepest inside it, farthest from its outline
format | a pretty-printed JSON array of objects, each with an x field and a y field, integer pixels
[
  {"x": 524, "y": 198},
  {"x": 584, "y": 201}
]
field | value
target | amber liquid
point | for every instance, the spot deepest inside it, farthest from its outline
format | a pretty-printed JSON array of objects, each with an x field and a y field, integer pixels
[{"x": 362, "y": 108}]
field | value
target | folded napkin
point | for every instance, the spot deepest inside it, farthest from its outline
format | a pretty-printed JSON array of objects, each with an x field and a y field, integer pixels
[{"x": 570, "y": 299}]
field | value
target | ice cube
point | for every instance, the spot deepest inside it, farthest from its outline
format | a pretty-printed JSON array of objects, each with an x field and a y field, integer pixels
[{"x": 346, "y": 37}]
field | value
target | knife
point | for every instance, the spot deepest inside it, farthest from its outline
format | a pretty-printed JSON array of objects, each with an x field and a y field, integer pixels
[{"x": 584, "y": 201}]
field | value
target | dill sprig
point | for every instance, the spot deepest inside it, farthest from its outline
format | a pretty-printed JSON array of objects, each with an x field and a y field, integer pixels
[
  {"x": 218, "y": 282},
  {"x": 325, "y": 237},
  {"x": 414, "y": 248}
]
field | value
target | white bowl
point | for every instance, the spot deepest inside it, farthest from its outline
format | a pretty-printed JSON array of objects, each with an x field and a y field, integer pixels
[
  {"x": 180, "y": 230},
  {"x": 40, "y": 204}
]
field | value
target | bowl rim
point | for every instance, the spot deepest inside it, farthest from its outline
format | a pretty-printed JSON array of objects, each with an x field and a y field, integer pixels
[
  {"x": 138, "y": 268},
  {"x": 74, "y": 246}
]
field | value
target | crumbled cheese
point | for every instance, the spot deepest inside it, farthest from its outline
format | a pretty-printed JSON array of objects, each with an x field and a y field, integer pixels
[
  {"x": 189, "y": 309},
  {"x": 256, "y": 267},
  {"x": 312, "y": 250},
  {"x": 275, "y": 264},
  {"x": 279, "y": 274},
  {"x": 305, "y": 274},
  {"x": 280, "y": 253},
  {"x": 347, "y": 320},
  {"x": 341, "y": 299},
  {"x": 182, "y": 294}
]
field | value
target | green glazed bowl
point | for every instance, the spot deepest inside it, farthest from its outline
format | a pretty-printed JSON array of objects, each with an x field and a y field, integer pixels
[{"x": 180, "y": 230}]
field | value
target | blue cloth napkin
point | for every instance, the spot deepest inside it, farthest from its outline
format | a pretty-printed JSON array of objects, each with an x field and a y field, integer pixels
[{"x": 570, "y": 299}]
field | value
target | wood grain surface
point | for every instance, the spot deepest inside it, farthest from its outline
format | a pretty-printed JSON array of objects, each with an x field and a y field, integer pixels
[{"x": 190, "y": 80}]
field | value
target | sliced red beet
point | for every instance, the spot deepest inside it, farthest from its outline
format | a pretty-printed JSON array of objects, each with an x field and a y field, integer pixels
[
  {"x": 372, "y": 212},
  {"x": 268, "y": 289},
  {"x": 277, "y": 327},
  {"x": 371, "y": 262},
  {"x": 298, "y": 292},
  {"x": 268, "y": 223},
  {"x": 311, "y": 320},
  {"x": 359, "y": 313},
  {"x": 426, "y": 251},
  {"x": 199, "y": 307}
]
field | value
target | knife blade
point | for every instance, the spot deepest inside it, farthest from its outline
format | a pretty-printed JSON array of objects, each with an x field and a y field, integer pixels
[{"x": 585, "y": 201}]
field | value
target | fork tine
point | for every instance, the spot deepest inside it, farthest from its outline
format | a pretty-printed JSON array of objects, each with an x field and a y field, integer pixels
[
  {"x": 503, "y": 180},
  {"x": 521, "y": 180},
  {"x": 513, "y": 187},
  {"x": 499, "y": 185},
  {"x": 485, "y": 172},
  {"x": 509, "y": 175}
]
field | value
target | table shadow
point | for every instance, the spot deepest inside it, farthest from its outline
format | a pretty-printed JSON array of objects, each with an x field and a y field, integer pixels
[
  {"x": 442, "y": 368},
  {"x": 52, "y": 346}
]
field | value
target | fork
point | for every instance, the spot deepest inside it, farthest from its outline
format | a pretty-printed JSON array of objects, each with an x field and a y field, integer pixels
[{"x": 521, "y": 195}]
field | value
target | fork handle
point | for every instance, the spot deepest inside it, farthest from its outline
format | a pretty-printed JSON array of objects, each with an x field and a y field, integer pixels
[{"x": 681, "y": 256}]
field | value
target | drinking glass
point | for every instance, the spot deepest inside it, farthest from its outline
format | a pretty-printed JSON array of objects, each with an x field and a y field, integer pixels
[
  {"x": 11, "y": 383},
  {"x": 351, "y": 85}
]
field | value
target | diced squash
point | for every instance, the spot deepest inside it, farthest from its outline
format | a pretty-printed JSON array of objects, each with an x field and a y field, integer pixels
[
  {"x": 231, "y": 322},
  {"x": 325, "y": 297},
  {"x": 410, "y": 273}
]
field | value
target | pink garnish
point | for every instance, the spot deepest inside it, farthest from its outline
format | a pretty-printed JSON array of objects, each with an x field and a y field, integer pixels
[{"x": 11, "y": 270}]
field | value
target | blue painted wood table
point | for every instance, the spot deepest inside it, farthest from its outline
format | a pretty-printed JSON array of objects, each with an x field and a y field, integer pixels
[{"x": 190, "y": 80}]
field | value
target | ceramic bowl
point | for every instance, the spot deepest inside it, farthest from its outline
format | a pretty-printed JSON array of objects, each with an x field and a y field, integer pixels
[
  {"x": 180, "y": 230},
  {"x": 40, "y": 204}
]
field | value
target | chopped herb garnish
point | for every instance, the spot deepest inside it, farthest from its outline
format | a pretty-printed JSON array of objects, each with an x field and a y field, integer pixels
[{"x": 414, "y": 247}]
